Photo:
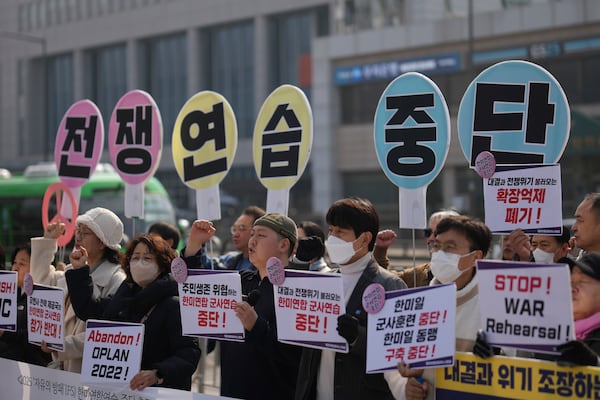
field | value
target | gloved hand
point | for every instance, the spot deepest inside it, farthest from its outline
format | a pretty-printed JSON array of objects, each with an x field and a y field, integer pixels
[
  {"x": 348, "y": 327},
  {"x": 482, "y": 348},
  {"x": 576, "y": 352},
  {"x": 309, "y": 247}
]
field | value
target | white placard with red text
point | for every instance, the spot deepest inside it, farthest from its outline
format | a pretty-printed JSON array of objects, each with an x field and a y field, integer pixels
[
  {"x": 526, "y": 305},
  {"x": 46, "y": 316},
  {"x": 524, "y": 197},
  {"x": 207, "y": 301},
  {"x": 112, "y": 353},
  {"x": 8, "y": 301},
  {"x": 416, "y": 326},
  {"x": 307, "y": 306}
]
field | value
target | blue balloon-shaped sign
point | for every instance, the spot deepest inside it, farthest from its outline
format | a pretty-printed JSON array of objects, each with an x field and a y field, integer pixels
[
  {"x": 517, "y": 111},
  {"x": 412, "y": 131}
]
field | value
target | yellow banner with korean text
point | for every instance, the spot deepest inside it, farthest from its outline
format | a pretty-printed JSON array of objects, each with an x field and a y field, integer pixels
[{"x": 499, "y": 377}]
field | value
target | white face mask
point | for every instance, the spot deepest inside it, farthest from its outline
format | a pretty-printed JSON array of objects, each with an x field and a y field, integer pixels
[
  {"x": 143, "y": 273},
  {"x": 543, "y": 257},
  {"x": 444, "y": 266},
  {"x": 340, "y": 251}
]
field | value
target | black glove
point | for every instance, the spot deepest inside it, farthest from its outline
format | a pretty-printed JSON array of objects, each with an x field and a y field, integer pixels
[
  {"x": 309, "y": 247},
  {"x": 348, "y": 327},
  {"x": 576, "y": 352}
]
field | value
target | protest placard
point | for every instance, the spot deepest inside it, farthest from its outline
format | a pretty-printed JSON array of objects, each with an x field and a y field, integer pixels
[
  {"x": 526, "y": 197},
  {"x": 112, "y": 353},
  {"x": 415, "y": 326},
  {"x": 207, "y": 301},
  {"x": 46, "y": 316},
  {"x": 498, "y": 377},
  {"x": 8, "y": 301},
  {"x": 527, "y": 305},
  {"x": 307, "y": 306}
]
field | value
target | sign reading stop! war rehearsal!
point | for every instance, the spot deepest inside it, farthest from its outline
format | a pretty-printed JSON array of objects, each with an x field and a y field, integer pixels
[
  {"x": 8, "y": 301},
  {"x": 135, "y": 145},
  {"x": 412, "y": 138},
  {"x": 527, "y": 305},
  {"x": 282, "y": 143},
  {"x": 46, "y": 316},
  {"x": 207, "y": 301},
  {"x": 307, "y": 306},
  {"x": 204, "y": 145},
  {"x": 526, "y": 197},
  {"x": 415, "y": 326},
  {"x": 112, "y": 353}
]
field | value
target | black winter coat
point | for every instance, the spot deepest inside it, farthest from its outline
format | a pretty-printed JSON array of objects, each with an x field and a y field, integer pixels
[
  {"x": 15, "y": 345},
  {"x": 165, "y": 349}
]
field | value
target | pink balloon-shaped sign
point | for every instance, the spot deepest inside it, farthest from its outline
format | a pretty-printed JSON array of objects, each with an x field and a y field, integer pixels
[
  {"x": 485, "y": 164},
  {"x": 79, "y": 143},
  {"x": 373, "y": 298},
  {"x": 135, "y": 135},
  {"x": 179, "y": 270},
  {"x": 275, "y": 271},
  {"x": 28, "y": 284}
]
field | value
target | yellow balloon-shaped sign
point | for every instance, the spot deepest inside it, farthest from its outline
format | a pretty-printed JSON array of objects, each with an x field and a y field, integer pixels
[
  {"x": 204, "y": 140},
  {"x": 282, "y": 138}
]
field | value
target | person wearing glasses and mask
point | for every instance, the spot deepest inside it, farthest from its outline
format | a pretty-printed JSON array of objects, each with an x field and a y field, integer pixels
[
  {"x": 421, "y": 274},
  {"x": 203, "y": 230},
  {"x": 459, "y": 242},
  {"x": 149, "y": 295}
]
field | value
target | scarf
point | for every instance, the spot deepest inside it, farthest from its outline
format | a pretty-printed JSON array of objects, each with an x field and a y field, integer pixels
[{"x": 584, "y": 326}]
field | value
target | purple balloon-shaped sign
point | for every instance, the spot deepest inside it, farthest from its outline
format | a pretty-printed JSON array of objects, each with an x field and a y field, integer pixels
[{"x": 275, "y": 271}]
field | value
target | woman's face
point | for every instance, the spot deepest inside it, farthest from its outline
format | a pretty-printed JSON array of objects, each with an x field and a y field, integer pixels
[
  {"x": 21, "y": 265},
  {"x": 585, "y": 292}
]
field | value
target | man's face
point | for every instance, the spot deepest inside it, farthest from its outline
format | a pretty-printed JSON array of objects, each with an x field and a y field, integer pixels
[
  {"x": 586, "y": 228},
  {"x": 585, "y": 292},
  {"x": 360, "y": 244},
  {"x": 240, "y": 232},
  {"x": 430, "y": 233},
  {"x": 549, "y": 244},
  {"x": 456, "y": 242},
  {"x": 263, "y": 244}
]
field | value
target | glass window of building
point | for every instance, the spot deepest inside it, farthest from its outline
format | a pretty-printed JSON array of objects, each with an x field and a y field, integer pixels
[
  {"x": 290, "y": 38},
  {"x": 105, "y": 79},
  {"x": 60, "y": 94},
  {"x": 229, "y": 70},
  {"x": 163, "y": 67}
]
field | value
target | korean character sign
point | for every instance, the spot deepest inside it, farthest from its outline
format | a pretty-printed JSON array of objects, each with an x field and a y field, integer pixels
[
  {"x": 46, "y": 316},
  {"x": 281, "y": 145},
  {"x": 515, "y": 113},
  {"x": 412, "y": 137},
  {"x": 203, "y": 146},
  {"x": 112, "y": 353},
  {"x": 416, "y": 326},
  {"x": 207, "y": 301},
  {"x": 8, "y": 301},
  {"x": 307, "y": 306},
  {"x": 527, "y": 305},
  {"x": 135, "y": 136},
  {"x": 525, "y": 197}
]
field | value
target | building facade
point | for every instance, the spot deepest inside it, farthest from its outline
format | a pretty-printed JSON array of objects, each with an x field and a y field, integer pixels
[{"x": 342, "y": 53}]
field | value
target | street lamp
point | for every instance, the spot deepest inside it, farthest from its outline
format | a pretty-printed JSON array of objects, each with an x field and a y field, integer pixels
[{"x": 42, "y": 42}]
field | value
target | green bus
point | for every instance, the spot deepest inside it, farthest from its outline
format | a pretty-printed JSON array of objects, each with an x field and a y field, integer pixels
[{"x": 21, "y": 198}]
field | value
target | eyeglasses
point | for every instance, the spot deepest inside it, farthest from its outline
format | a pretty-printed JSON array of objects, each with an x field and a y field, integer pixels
[
  {"x": 427, "y": 232},
  {"x": 239, "y": 228},
  {"x": 80, "y": 232}
]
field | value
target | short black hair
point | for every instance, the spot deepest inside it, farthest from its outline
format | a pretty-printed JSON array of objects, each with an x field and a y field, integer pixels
[
  {"x": 476, "y": 232},
  {"x": 313, "y": 229},
  {"x": 166, "y": 231},
  {"x": 254, "y": 211},
  {"x": 355, "y": 213}
]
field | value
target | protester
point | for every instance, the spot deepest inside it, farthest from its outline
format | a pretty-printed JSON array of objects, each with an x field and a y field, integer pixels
[
  {"x": 167, "y": 231},
  {"x": 148, "y": 295},
  {"x": 99, "y": 231},
  {"x": 459, "y": 242},
  {"x": 550, "y": 249},
  {"x": 310, "y": 251},
  {"x": 15, "y": 345},
  {"x": 240, "y": 233},
  {"x": 421, "y": 274},
  {"x": 353, "y": 225},
  {"x": 586, "y": 229}
]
